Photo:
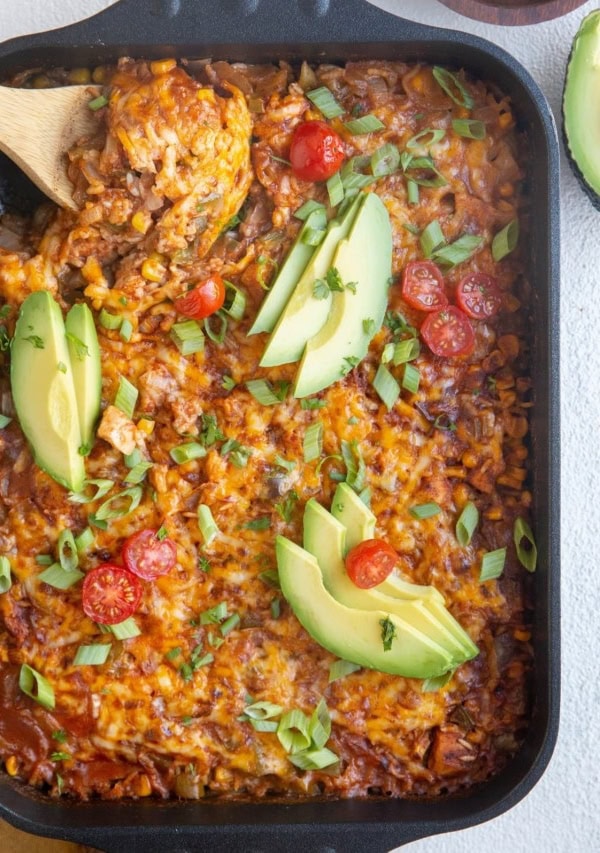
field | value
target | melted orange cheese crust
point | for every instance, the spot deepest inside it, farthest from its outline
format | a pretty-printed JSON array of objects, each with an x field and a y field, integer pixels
[{"x": 170, "y": 164}]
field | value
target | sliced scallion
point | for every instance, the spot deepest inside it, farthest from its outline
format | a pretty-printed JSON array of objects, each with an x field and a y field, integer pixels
[
  {"x": 120, "y": 504},
  {"x": 286, "y": 464},
  {"x": 505, "y": 241},
  {"x": 103, "y": 487},
  {"x": 352, "y": 176},
  {"x": 235, "y": 301},
  {"x": 126, "y": 397},
  {"x": 188, "y": 337},
  {"x": 412, "y": 192},
  {"x": 125, "y": 630},
  {"x": 319, "y": 727},
  {"x": 44, "y": 560},
  {"x": 262, "y": 710},
  {"x": 4, "y": 421},
  {"x": 453, "y": 87},
  {"x": 313, "y": 236},
  {"x": 355, "y": 465},
  {"x": 215, "y": 327},
  {"x": 470, "y": 128},
  {"x": 110, "y": 321},
  {"x": 305, "y": 210},
  {"x": 313, "y": 441},
  {"x": 187, "y": 452},
  {"x": 97, "y": 103},
  {"x": 432, "y": 685},
  {"x": 126, "y": 330},
  {"x": 60, "y": 578},
  {"x": 525, "y": 544},
  {"x": 138, "y": 473},
  {"x": 427, "y": 510},
  {"x": 458, "y": 252},
  {"x": 426, "y": 138},
  {"x": 364, "y": 124},
  {"x": 93, "y": 655},
  {"x": 492, "y": 564},
  {"x": 214, "y": 615},
  {"x": 262, "y": 391},
  {"x": 335, "y": 189},
  {"x": 314, "y": 759},
  {"x": 84, "y": 541},
  {"x": 386, "y": 386},
  {"x": 432, "y": 238},
  {"x": 324, "y": 101},
  {"x": 67, "y": 551},
  {"x": 292, "y": 731},
  {"x": 207, "y": 524},
  {"x": 5, "y": 576},
  {"x": 467, "y": 523},
  {"x": 411, "y": 378},
  {"x": 341, "y": 668},
  {"x": 275, "y": 608},
  {"x": 385, "y": 160},
  {"x": 417, "y": 165},
  {"x": 229, "y": 624},
  {"x": 405, "y": 350},
  {"x": 38, "y": 688}
]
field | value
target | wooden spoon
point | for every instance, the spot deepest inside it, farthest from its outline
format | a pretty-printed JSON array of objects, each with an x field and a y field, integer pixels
[{"x": 37, "y": 128}]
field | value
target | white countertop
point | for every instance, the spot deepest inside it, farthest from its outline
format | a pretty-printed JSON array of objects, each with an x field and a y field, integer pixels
[{"x": 562, "y": 814}]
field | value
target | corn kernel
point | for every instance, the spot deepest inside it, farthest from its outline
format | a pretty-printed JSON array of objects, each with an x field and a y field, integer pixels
[
  {"x": 146, "y": 426},
  {"x": 141, "y": 221},
  {"x": 99, "y": 74},
  {"x": 41, "y": 81},
  {"x": 80, "y": 76},
  {"x": 494, "y": 513},
  {"x": 153, "y": 270},
  {"x": 162, "y": 66},
  {"x": 12, "y": 765},
  {"x": 505, "y": 120},
  {"x": 206, "y": 95},
  {"x": 522, "y": 636},
  {"x": 142, "y": 786}
]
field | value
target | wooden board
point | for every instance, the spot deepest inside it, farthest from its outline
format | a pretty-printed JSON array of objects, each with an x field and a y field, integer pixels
[
  {"x": 513, "y": 12},
  {"x": 14, "y": 841}
]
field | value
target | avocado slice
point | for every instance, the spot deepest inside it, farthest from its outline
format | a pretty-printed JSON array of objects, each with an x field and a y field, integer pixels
[
  {"x": 304, "y": 314},
  {"x": 84, "y": 350},
  {"x": 363, "y": 259},
  {"x": 581, "y": 106},
  {"x": 352, "y": 634},
  {"x": 44, "y": 392},
  {"x": 324, "y": 538},
  {"x": 287, "y": 278}
]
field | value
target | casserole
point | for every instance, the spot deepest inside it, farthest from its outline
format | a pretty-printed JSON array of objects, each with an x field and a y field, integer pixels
[{"x": 372, "y": 825}]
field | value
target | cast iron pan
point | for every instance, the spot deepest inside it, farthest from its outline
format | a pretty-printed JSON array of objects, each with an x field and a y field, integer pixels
[{"x": 333, "y": 30}]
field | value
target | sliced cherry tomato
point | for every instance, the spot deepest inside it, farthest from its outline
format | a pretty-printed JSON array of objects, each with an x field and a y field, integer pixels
[
  {"x": 110, "y": 594},
  {"x": 147, "y": 556},
  {"x": 423, "y": 286},
  {"x": 448, "y": 332},
  {"x": 316, "y": 152},
  {"x": 206, "y": 298},
  {"x": 478, "y": 295},
  {"x": 370, "y": 562}
]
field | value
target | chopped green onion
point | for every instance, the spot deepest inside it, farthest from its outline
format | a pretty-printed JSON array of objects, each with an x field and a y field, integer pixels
[
  {"x": 324, "y": 101},
  {"x": 262, "y": 711},
  {"x": 92, "y": 655},
  {"x": 412, "y": 192},
  {"x": 319, "y": 727},
  {"x": 138, "y": 473},
  {"x": 110, "y": 321},
  {"x": 186, "y": 452},
  {"x": 432, "y": 238},
  {"x": 67, "y": 551},
  {"x": 352, "y": 176},
  {"x": 314, "y": 759},
  {"x": 412, "y": 229},
  {"x": 60, "y": 578},
  {"x": 385, "y": 160},
  {"x": 275, "y": 608},
  {"x": 341, "y": 668},
  {"x": 292, "y": 731},
  {"x": 426, "y": 138},
  {"x": 188, "y": 337},
  {"x": 286, "y": 464},
  {"x": 98, "y": 103},
  {"x": 38, "y": 688},
  {"x": 355, "y": 465},
  {"x": 162, "y": 533},
  {"x": 364, "y": 124},
  {"x": 262, "y": 391},
  {"x": 206, "y": 523},
  {"x": 310, "y": 403},
  {"x": 134, "y": 458},
  {"x": 313, "y": 441},
  {"x": 313, "y": 236},
  {"x": 458, "y": 252},
  {"x": 411, "y": 378},
  {"x": 263, "y": 522},
  {"x": 467, "y": 523},
  {"x": 5, "y": 577},
  {"x": 44, "y": 560},
  {"x": 102, "y": 488},
  {"x": 386, "y": 386},
  {"x": 335, "y": 188},
  {"x": 126, "y": 398},
  {"x": 60, "y": 756},
  {"x": 425, "y": 164},
  {"x": 114, "y": 508},
  {"x": 4, "y": 421},
  {"x": 505, "y": 241},
  {"x": 125, "y": 630},
  {"x": 214, "y": 615},
  {"x": 271, "y": 578},
  {"x": 126, "y": 330},
  {"x": 172, "y": 654},
  {"x": 229, "y": 624},
  {"x": 453, "y": 87},
  {"x": 526, "y": 551},
  {"x": 217, "y": 336},
  {"x": 425, "y": 510},
  {"x": 235, "y": 301},
  {"x": 470, "y": 128},
  {"x": 492, "y": 564},
  {"x": 432, "y": 685},
  {"x": 264, "y": 725},
  {"x": 307, "y": 208},
  {"x": 405, "y": 350},
  {"x": 228, "y": 383}
]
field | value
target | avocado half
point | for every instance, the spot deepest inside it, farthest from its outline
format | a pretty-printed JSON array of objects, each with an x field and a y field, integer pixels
[{"x": 581, "y": 107}]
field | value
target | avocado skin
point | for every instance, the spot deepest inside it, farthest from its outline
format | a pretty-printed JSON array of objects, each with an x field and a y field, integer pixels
[{"x": 585, "y": 182}]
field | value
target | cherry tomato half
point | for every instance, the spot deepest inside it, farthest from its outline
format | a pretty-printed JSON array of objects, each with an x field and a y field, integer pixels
[
  {"x": 423, "y": 286},
  {"x": 448, "y": 332},
  {"x": 370, "y": 562},
  {"x": 206, "y": 298},
  {"x": 316, "y": 152},
  {"x": 478, "y": 295},
  {"x": 110, "y": 594},
  {"x": 149, "y": 557}
]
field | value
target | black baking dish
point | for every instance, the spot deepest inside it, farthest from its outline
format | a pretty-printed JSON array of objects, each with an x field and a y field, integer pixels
[{"x": 333, "y": 30}]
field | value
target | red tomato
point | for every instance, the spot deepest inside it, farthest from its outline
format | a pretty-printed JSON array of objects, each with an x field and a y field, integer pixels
[
  {"x": 149, "y": 557},
  {"x": 370, "y": 562},
  {"x": 206, "y": 298},
  {"x": 316, "y": 152},
  {"x": 478, "y": 295},
  {"x": 448, "y": 332},
  {"x": 423, "y": 286},
  {"x": 110, "y": 594}
]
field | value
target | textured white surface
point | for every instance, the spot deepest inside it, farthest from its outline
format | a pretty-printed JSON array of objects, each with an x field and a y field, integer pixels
[{"x": 562, "y": 814}]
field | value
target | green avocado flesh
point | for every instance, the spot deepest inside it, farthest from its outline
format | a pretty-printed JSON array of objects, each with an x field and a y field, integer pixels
[
  {"x": 581, "y": 104},
  {"x": 304, "y": 314},
  {"x": 354, "y": 634},
  {"x": 86, "y": 367}
]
